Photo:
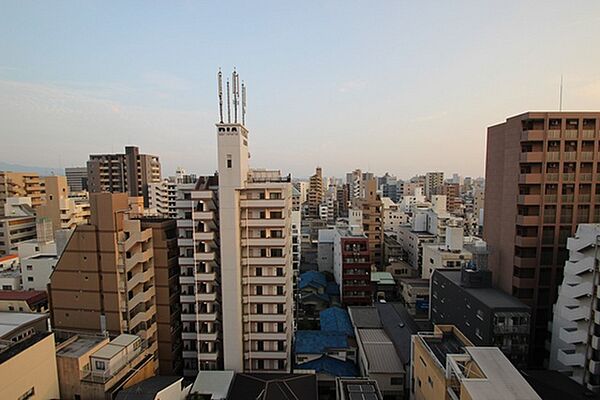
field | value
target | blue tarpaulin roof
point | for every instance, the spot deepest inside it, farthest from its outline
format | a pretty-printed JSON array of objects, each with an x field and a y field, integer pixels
[
  {"x": 317, "y": 342},
  {"x": 331, "y": 366},
  {"x": 335, "y": 319},
  {"x": 312, "y": 278},
  {"x": 332, "y": 289}
]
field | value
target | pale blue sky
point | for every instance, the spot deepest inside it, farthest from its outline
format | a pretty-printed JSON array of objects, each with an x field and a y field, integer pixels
[{"x": 403, "y": 86}]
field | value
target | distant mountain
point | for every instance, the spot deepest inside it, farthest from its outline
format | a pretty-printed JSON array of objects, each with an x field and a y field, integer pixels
[{"x": 43, "y": 171}]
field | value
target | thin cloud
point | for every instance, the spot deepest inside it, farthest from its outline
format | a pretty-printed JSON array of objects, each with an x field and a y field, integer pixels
[{"x": 352, "y": 86}]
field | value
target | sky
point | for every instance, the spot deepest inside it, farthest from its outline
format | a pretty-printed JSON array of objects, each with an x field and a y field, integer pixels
[{"x": 399, "y": 86}]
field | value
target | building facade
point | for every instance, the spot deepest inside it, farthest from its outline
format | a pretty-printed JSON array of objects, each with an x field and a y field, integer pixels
[
  {"x": 77, "y": 179},
  {"x": 20, "y": 184},
  {"x": 130, "y": 172},
  {"x": 542, "y": 179}
]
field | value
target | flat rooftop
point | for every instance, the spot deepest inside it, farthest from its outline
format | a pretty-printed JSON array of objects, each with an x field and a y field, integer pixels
[
  {"x": 80, "y": 346},
  {"x": 444, "y": 344},
  {"x": 502, "y": 380},
  {"x": 12, "y": 321},
  {"x": 491, "y": 297}
]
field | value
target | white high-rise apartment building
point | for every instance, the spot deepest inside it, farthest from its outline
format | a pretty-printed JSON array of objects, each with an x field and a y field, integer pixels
[
  {"x": 241, "y": 261},
  {"x": 575, "y": 346},
  {"x": 162, "y": 195}
]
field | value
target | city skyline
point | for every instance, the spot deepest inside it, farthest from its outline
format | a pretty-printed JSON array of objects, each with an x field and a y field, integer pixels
[{"x": 101, "y": 79}]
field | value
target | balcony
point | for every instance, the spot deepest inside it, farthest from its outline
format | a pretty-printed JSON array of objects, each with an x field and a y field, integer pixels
[
  {"x": 553, "y": 156},
  {"x": 569, "y": 156},
  {"x": 588, "y": 134},
  {"x": 184, "y": 223},
  {"x": 266, "y": 299},
  {"x": 209, "y": 256},
  {"x": 208, "y": 337},
  {"x": 532, "y": 135},
  {"x": 554, "y": 134},
  {"x": 525, "y": 262},
  {"x": 585, "y": 176},
  {"x": 568, "y": 177},
  {"x": 265, "y": 336},
  {"x": 577, "y": 290},
  {"x": 271, "y": 355},
  {"x": 207, "y": 317},
  {"x": 205, "y": 236},
  {"x": 264, "y": 242},
  {"x": 264, "y": 261},
  {"x": 186, "y": 261},
  {"x": 587, "y": 155},
  {"x": 203, "y": 215},
  {"x": 572, "y": 335},
  {"x": 550, "y": 198},
  {"x": 551, "y": 177},
  {"x": 530, "y": 178},
  {"x": 206, "y": 276},
  {"x": 526, "y": 241},
  {"x": 184, "y": 204},
  {"x": 189, "y": 353},
  {"x": 567, "y": 198},
  {"x": 531, "y": 157},
  {"x": 529, "y": 199},
  {"x": 187, "y": 298},
  {"x": 528, "y": 220},
  {"x": 571, "y": 358},
  {"x": 265, "y": 317},
  {"x": 596, "y": 342},
  {"x": 264, "y": 280},
  {"x": 188, "y": 335},
  {"x": 262, "y": 203},
  {"x": 204, "y": 356},
  {"x": 584, "y": 198},
  {"x": 594, "y": 367},
  {"x": 206, "y": 296},
  {"x": 263, "y": 223},
  {"x": 575, "y": 313},
  {"x": 185, "y": 242},
  {"x": 188, "y": 317},
  {"x": 570, "y": 134},
  {"x": 187, "y": 280}
]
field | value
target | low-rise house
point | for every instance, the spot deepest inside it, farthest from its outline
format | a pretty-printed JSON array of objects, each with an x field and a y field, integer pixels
[
  {"x": 212, "y": 385},
  {"x": 106, "y": 367},
  {"x": 384, "y": 286},
  {"x": 156, "y": 388},
  {"x": 415, "y": 296},
  {"x": 273, "y": 386},
  {"x": 24, "y": 301}
]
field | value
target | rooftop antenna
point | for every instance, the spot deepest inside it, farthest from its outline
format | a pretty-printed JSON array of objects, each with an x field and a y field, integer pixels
[
  {"x": 243, "y": 103},
  {"x": 220, "y": 80},
  {"x": 236, "y": 91},
  {"x": 561, "y": 94},
  {"x": 228, "y": 103}
]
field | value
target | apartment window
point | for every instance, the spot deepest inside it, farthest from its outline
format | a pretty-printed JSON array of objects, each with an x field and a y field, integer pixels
[
  {"x": 280, "y": 345},
  {"x": 30, "y": 279},
  {"x": 229, "y": 162},
  {"x": 260, "y": 346},
  {"x": 423, "y": 362},
  {"x": 7, "y": 287},
  {"x": 29, "y": 267},
  {"x": 259, "y": 290},
  {"x": 478, "y": 333},
  {"x": 259, "y": 327},
  {"x": 480, "y": 314},
  {"x": 280, "y": 327},
  {"x": 258, "y": 271},
  {"x": 281, "y": 364},
  {"x": 279, "y": 308},
  {"x": 276, "y": 252},
  {"x": 259, "y": 308},
  {"x": 429, "y": 381},
  {"x": 100, "y": 365},
  {"x": 280, "y": 290},
  {"x": 260, "y": 364}
]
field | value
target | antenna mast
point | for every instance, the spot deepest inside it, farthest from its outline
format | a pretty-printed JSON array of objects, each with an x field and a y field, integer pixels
[
  {"x": 561, "y": 94},
  {"x": 220, "y": 80},
  {"x": 228, "y": 103},
  {"x": 243, "y": 103},
  {"x": 236, "y": 94}
]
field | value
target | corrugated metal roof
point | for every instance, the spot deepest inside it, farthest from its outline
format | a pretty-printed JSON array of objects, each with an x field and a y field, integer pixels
[
  {"x": 364, "y": 317},
  {"x": 373, "y": 336},
  {"x": 382, "y": 358}
]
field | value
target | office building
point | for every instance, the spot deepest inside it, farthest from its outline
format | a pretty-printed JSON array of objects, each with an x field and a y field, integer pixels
[
  {"x": 77, "y": 179},
  {"x": 61, "y": 210},
  {"x": 575, "y": 345},
  {"x": 20, "y": 184},
  {"x": 541, "y": 181},
  {"x": 487, "y": 316},
  {"x": 27, "y": 357},
  {"x": 446, "y": 365},
  {"x": 130, "y": 172}
]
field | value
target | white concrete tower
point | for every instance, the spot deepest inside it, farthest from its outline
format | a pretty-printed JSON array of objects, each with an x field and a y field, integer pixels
[{"x": 233, "y": 157}]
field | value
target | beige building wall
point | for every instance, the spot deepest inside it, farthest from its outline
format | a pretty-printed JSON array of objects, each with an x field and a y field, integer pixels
[
  {"x": 62, "y": 211},
  {"x": 32, "y": 370},
  {"x": 20, "y": 184}
]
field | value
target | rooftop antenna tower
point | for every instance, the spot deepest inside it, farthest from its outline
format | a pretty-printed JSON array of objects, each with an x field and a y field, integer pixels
[
  {"x": 235, "y": 78},
  {"x": 228, "y": 103},
  {"x": 243, "y": 103},
  {"x": 220, "y": 80},
  {"x": 561, "y": 94}
]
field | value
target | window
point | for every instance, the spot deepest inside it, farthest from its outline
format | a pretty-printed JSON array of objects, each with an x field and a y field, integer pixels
[
  {"x": 429, "y": 381},
  {"x": 480, "y": 314},
  {"x": 259, "y": 308},
  {"x": 28, "y": 394},
  {"x": 29, "y": 267},
  {"x": 30, "y": 279},
  {"x": 423, "y": 362},
  {"x": 276, "y": 252},
  {"x": 478, "y": 333},
  {"x": 258, "y": 271},
  {"x": 259, "y": 327},
  {"x": 229, "y": 162},
  {"x": 100, "y": 365},
  {"x": 259, "y": 290},
  {"x": 396, "y": 381},
  {"x": 280, "y": 290}
]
